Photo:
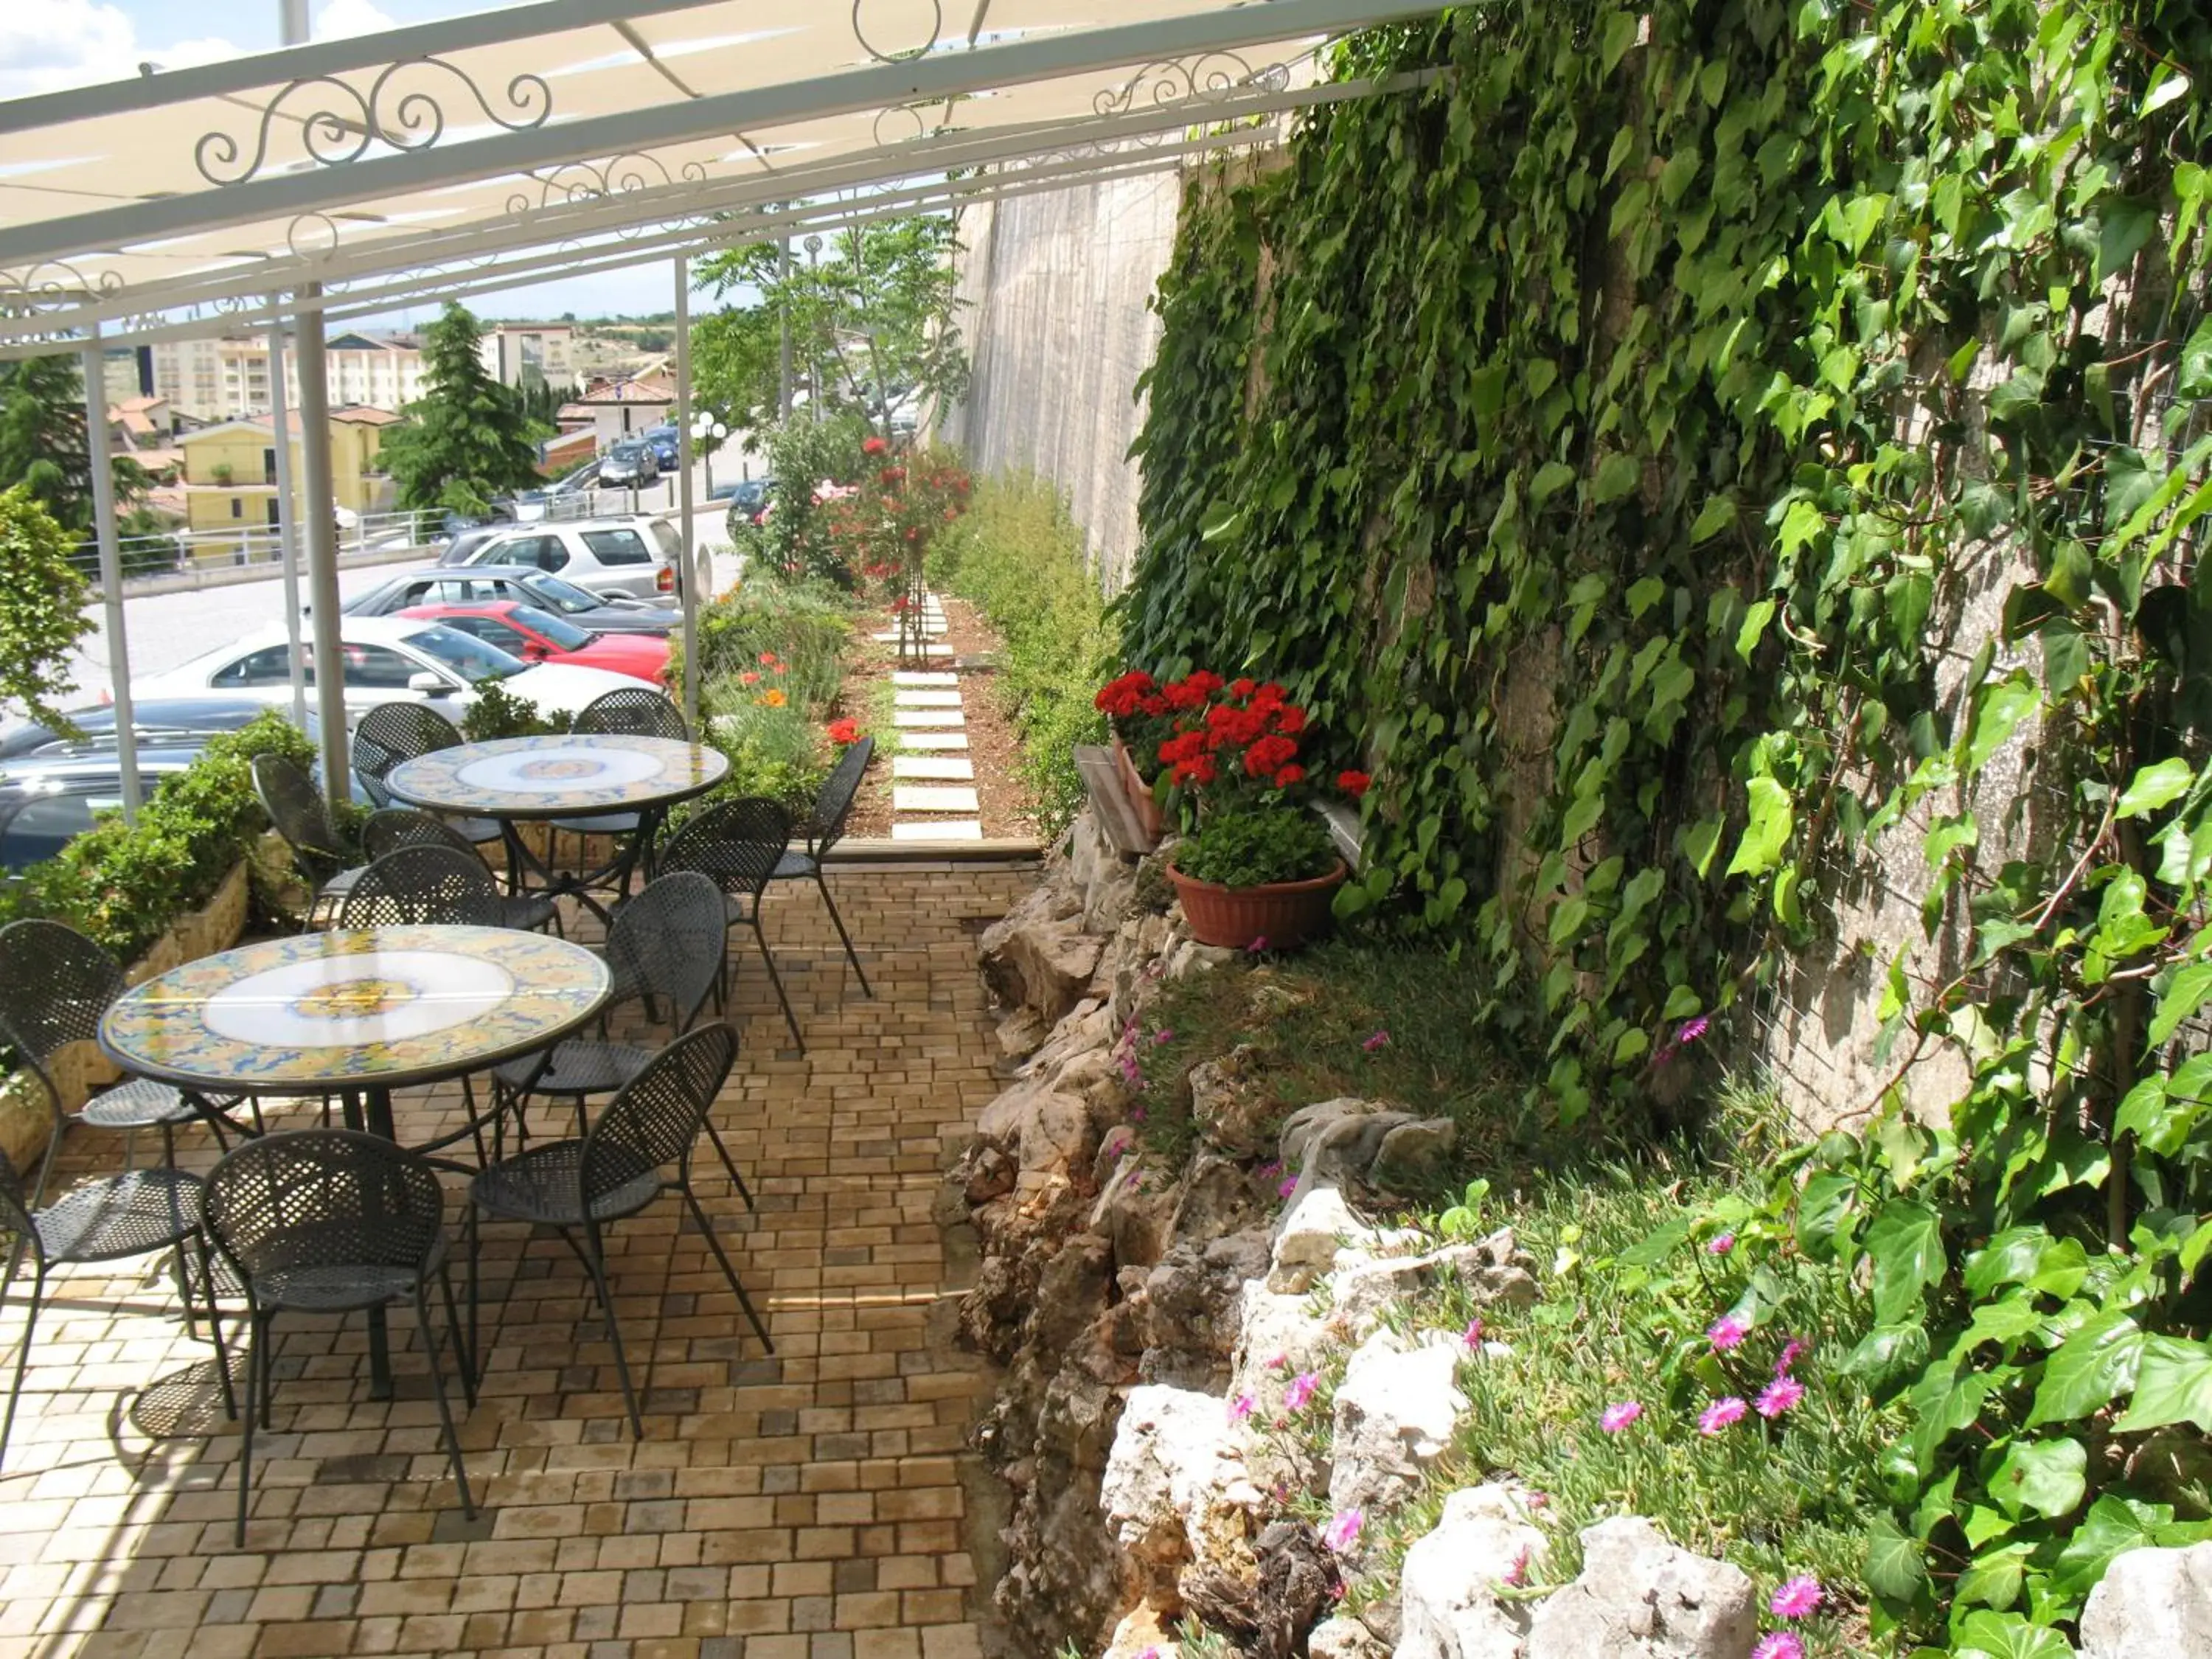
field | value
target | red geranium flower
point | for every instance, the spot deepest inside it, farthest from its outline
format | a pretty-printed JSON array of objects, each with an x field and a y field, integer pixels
[
  {"x": 845, "y": 731},
  {"x": 1268, "y": 756},
  {"x": 1289, "y": 776},
  {"x": 874, "y": 446},
  {"x": 1243, "y": 687},
  {"x": 1354, "y": 784}
]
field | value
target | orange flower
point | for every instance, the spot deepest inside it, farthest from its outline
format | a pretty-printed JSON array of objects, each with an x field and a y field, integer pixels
[{"x": 771, "y": 698}]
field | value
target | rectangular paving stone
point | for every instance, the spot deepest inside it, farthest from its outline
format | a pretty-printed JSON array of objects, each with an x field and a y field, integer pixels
[
  {"x": 917, "y": 676},
  {"x": 918, "y": 699},
  {"x": 929, "y": 766},
  {"x": 940, "y": 717},
  {"x": 933, "y": 739},
  {"x": 948, "y": 829},
  {"x": 925, "y": 800}
]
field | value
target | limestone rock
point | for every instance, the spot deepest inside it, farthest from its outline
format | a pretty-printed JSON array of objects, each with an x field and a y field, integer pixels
[
  {"x": 1141, "y": 1632},
  {"x": 1639, "y": 1596},
  {"x": 990, "y": 1173},
  {"x": 1228, "y": 1105},
  {"x": 1317, "y": 1224},
  {"x": 1189, "y": 1302},
  {"x": 1343, "y": 1639},
  {"x": 1412, "y": 1156},
  {"x": 1495, "y": 1270},
  {"x": 1039, "y": 957},
  {"x": 1045, "y": 1130},
  {"x": 1217, "y": 1199},
  {"x": 1333, "y": 1141},
  {"x": 2152, "y": 1602},
  {"x": 1396, "y": 1410},
  {"x": 1448, "y": 1590},
  {"x": 1022, "y": 1033},
  {"x": 1133, "y": 1211},
  {"x": 1175, "y": 1490},
  {"x": 1190, "y": 957}
]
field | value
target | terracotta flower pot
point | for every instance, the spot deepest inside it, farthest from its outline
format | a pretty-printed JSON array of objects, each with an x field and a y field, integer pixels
[
  {"x": 1139, "y": 792},
  {"x": 1277, "y": 916}
]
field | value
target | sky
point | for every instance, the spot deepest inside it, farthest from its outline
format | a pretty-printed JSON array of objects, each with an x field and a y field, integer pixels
[{"x": 46, "y": 45}]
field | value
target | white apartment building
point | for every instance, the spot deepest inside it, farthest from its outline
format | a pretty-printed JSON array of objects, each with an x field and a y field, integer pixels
[
  {"x": 529, "y": 353},
  {"x": 227, "y": 380}
]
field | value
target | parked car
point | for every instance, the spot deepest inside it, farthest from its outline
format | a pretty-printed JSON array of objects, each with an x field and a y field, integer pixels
[
  {"x": 156, "y": 720},
  {"x": 454, "y": 526},
  {"x": 48, "y": 798},
  {"x": 629, "y": 464},
  {"x": 749, "y": 502},
  {"x": 388, "y": 659},
  {"x": 617, "y": 613},
  {"x": 535, "y": 635},
  {"x": 634, "y": 556},
  {"x": 665, "y": 448}
]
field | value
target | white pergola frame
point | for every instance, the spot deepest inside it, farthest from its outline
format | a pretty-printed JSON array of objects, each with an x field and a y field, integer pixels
[{"x": 605, "y": 200}]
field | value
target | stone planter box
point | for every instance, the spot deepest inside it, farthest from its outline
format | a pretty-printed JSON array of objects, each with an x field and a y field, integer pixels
[{"x": 81, "y": 1068}]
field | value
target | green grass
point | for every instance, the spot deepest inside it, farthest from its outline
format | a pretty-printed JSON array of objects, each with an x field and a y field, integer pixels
[{"x": 1018, "y": 557}]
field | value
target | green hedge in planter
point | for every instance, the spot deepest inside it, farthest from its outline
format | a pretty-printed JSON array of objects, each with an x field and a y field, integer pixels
[{"x": 123, "y": 885}]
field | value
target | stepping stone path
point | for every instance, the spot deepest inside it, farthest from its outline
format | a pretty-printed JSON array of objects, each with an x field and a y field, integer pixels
[{"x": 933, "y": 794}]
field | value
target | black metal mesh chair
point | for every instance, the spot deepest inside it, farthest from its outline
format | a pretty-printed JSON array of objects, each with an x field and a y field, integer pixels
[
  {"x": 636, "y": 712},
  {"x": 666, "y": 946},
  {"x": 392, "y": 828},
  {"x": 134, "y": 1213},
  {"x": 823, "y": 827},
  {"x": 394, "y": 732},
  {"x": 614, "y": 1170},
  {"x": 417, "y": 885},
  {"x": 295, "y": 808},
  {"x": 738, "y": 846},
  {"x": 333, "y": 1221}
]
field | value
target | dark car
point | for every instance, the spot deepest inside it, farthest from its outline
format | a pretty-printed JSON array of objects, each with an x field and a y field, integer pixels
[
  {"x": 524, "y": 584},
  {"x": 748, "y": 502},
  {"x": 663, "y": 440},
  {"x": 160, "y": 722},
  {"x": 48, "y": 799},
  {"x": 630, "y": 462}
]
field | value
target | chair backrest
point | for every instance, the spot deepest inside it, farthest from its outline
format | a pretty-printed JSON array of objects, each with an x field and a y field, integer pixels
[
  {"x": 391, "y": 828},
  {"x": 295, "y": 807},
  {"x": 415, "y": 884},
  {"x": 394, "y": 732},
  {"x": 735, "y": 845},
  {"x": 653, "y": 1121},
  {"x": 669, "y": 942},
  {"x": 636, "y": 712},
  {"x": 55, "y": 984},
  {"x": 323, "y": 1198},
  {"x": 832, "y": 805}
]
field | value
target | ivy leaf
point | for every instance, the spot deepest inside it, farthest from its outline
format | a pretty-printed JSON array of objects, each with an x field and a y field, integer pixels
[
  {"x": 2173, "y": 1384},
  {"x": 2184, "y": 995},
  {"x": 2194, "y": 376},
  {"x": 1987, "y": 1635},
  {"x": 1825, "y": 1209},
  {"x": 2153, "y": 786},
  {"x": 1906, "y": 1244},
  {"x": 1551, "y": 478},
  {"x": 2047, "y": 1476},
  {"x": 1894, "y": 1569},
  {"x": 1715, "y": 516},
  {"x": 1619, "y": 35},
  {"x": 2002, "y": 706},
  {"x": 1799, "y": 524},
  {"x": 2113, "y": 1526},
  {"x": 1994, "y": 1579},
  {"x": 2125, "y": 227},
  {"x": 1755, "y": 619},
  {"x": 1699, "y": 842},
  {"x": 1617, "y": 474},
  {"x": 1643, "y": 594},
  {"x": 1772, "y": 818}
]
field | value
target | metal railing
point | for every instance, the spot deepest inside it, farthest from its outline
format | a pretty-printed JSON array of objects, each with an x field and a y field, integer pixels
[{"x": 254, "y": 544}]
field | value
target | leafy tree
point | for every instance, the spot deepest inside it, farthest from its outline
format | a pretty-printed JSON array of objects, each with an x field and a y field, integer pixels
[
  {"x": 871, "y": 322},
  {"x": 42, "y": 613},
  {"x": 468, "y": 438},
  {"x": 43, "y": 446}
]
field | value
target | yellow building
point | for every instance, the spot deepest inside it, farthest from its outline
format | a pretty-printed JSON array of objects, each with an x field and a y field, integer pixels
[{"x": 230, "y": 469}]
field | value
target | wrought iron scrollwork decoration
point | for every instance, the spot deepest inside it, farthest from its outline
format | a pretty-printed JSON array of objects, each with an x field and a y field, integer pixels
[
  {"x": 936, "y": 28},
  {"x": 312, "y": 236},
  {"x": 1210, "y": 77},
  {"x": 902, "y": 124},
  {"x": 337, "y": 121},
  {"x": 573, "y": 183},
  {"x": 51, "y": 284}
]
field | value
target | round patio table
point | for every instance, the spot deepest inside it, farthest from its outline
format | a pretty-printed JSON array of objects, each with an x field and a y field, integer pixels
[
  {"x": 355, "y": 1013},
  {"x": 521, "y": 780}
]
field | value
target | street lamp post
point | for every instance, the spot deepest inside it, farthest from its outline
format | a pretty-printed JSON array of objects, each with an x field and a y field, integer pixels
[{"x": 709, "y": 433}]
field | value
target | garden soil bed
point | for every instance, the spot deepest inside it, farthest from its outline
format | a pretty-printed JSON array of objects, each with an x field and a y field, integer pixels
[{"x": 1008, "y": 808}]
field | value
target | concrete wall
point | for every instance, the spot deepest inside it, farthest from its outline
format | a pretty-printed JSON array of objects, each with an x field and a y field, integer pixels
[{"x": 1056, "y": 290}]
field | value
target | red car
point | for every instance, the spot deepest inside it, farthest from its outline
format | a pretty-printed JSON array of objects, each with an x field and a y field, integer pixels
[{"x": 536, "y": 635}]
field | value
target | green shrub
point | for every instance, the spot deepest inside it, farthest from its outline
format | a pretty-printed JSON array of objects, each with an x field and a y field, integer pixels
[
  {"x": 498, "y": 713},
  {"x": 1019, "y": 558},
  {"x": 802, "y": 626},
  {"x": 1245, "y": 850},
  {"x": 123, "y": 885}
]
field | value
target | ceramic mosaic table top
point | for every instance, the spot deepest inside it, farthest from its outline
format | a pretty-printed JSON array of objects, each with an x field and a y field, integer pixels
[
  {"x": 365, "y": 1008},
  {"x": 556, "y": 777}
]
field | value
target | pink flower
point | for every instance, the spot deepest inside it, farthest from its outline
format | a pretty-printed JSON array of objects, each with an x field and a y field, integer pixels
[
  {"x": 1779, "y": 1396},
  {"x": 1149, "y": 1653},
  {"x": 1136, "y": 1179},
  {"x": 1381, "y": 1039},
  {"x": 1518, "y": 1574},
  {"x": 1163, "y": 1035},
  {"x": 1692, "y": 1030},
  {"x": 1472, "y": 1336},
  {"x": 1780, "y": 1644},
  {"x": 1792, "y": 1351},
  {"x": 1258, "y": 945},
  {"x": 1718, "y": 1415},
  {"x": 1136, "y": 1114},
  {"x": 1726, "y": 1332},
  {"x": 1281, "y": 1362},
  {"x": 1303, "y": 1384},
  {"x": 1722, "y": 1245},
  {"x": 1797, "y": 1598},
  {"x": 1343, "y": 1530},
  {"x": 1286, "y": 1187},
  {"x": 1241, "y": 1407},
  {"x": 1614, "y": 1419},
  {"x": 1536, "y": 1500}
]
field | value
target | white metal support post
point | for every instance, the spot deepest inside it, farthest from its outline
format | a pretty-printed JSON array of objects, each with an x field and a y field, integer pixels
[
  {"x": 317, "y": 510},
  {"x": 783, "y": 381},
  {"x": 110, "y": 568},
  {"x": 287, "y": 529},
  {"x": 687, "y": 585}
]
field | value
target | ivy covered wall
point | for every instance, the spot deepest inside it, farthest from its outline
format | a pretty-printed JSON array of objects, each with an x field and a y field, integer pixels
[{"x": 1683, "y": 451}]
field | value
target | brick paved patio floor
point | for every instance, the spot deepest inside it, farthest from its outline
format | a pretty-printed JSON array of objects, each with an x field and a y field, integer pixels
[{"x": 808, "y": 1505}]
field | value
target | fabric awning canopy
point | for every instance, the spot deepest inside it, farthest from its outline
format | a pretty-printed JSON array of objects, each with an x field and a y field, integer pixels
[{"x": 514, "y": 146}]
